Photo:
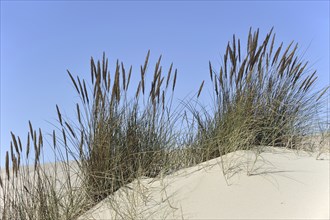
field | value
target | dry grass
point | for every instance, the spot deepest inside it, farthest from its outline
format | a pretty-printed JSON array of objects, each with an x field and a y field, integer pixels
[
  {"x": 264, "y": 98},
  {"x": 113, "y": 141}
]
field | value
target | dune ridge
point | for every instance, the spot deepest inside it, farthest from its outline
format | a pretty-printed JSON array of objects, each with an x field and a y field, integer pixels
[{"x": 282, "y": 184}]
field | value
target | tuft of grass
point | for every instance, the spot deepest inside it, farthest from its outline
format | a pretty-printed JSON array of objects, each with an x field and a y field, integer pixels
[
  {"x": 121, "y": 139},
  {"x": 114, "y": 140},
  {"x": 36, "y": 190},
  {"x": 264, "y": 98}
]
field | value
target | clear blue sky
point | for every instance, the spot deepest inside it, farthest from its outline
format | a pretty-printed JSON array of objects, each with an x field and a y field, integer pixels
[{"x": 41, "y": 39}]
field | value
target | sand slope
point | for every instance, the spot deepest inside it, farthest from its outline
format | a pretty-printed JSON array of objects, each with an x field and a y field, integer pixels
[{"x": 282, "y": 184}]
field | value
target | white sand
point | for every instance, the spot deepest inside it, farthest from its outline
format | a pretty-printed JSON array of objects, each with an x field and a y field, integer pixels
[{"x": 283, "y": 185}]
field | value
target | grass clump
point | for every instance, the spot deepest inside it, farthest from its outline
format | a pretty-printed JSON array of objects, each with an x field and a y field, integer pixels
[
  {"x": 35, "y": 190},
  {"x": 123, "y": 139},
  {"x": 114, "y": 140},
  {"x": 264, "y": 98}
]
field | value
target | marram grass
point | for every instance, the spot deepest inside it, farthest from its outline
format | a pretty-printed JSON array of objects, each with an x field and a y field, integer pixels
[{"x": 262, "y": 97}]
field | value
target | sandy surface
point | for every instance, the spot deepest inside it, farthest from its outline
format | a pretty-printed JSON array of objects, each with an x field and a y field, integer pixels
[{"x": 282, "y": 184}]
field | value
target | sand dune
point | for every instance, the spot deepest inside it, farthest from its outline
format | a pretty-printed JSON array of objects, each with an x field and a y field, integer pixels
[{"x": 282, "y": 184}]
